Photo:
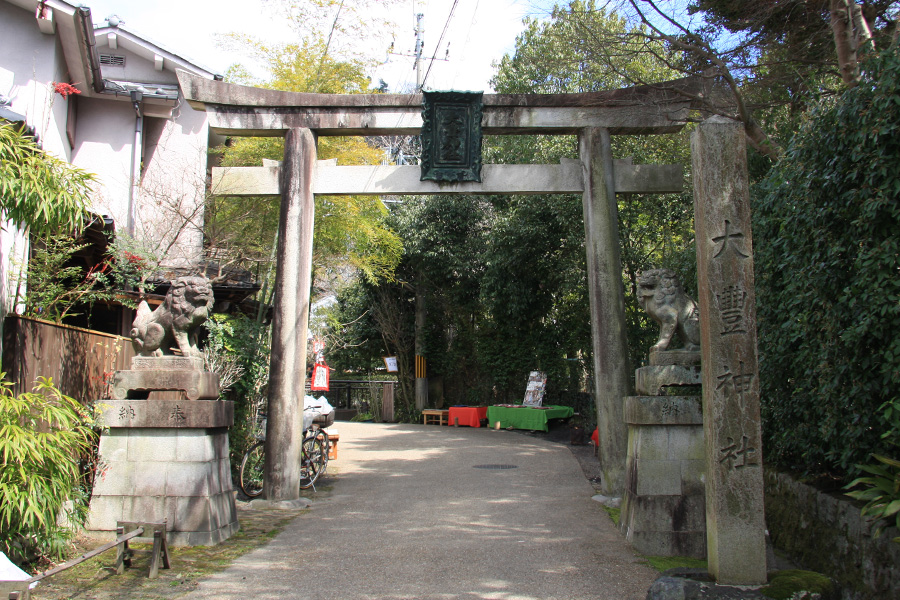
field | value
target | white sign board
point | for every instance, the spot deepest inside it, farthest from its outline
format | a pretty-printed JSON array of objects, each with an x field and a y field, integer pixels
[{"x": 534, "y": 391}]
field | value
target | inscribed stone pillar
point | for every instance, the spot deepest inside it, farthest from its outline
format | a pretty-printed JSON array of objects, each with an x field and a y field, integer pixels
[
  {"x": 607, "y": 296},
  {"x": 735, "y": 521},
  {"x": 293, "y": 274}
]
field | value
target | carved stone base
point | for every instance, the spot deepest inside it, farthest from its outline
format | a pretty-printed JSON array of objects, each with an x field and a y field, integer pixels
[
  {"x": 680, "y": 357},
  {"x": 195, "y": 384},
  {"x": 179, "y": 414},
  {"x": 182, "y": 475},
  {"x": 650, "y": 381},
  {"x": 664, "y": 509},
  {"x": 166, "y": 363}
]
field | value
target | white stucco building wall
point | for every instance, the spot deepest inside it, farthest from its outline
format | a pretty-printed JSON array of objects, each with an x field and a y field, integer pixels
[
  {"x": 149, "y": 151},
  {"x": 29, "y": 62}
]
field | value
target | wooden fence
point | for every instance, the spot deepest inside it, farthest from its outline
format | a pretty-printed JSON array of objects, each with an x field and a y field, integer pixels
[{"x": 80, "y": 361}]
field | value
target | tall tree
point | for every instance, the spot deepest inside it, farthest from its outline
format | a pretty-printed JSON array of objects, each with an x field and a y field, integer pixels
[
  {"x": 505, "y": 276},
  {"x": 349, "y": 231},
  {"x": 557, "y": 56},
  {"x": 761, "y": 55},
  {"x": 825, "y": 228}
]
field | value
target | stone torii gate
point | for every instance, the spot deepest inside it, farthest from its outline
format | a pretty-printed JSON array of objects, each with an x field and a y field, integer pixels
[
  {"x": 300, "y": 117},
  {"x": 734, "y": 505},
  {"x": 594, "y": 117}
]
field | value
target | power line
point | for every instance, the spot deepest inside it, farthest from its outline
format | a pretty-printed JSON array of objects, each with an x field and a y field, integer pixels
[
  {"x": 466, "y": 43},
  {"x": 440, "y": 39}
]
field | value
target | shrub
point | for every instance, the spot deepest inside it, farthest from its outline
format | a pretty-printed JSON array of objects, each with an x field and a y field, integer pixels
[
  {"x": 881, "y": 493},
  {"x": 241, "y": 345},
  {"x": 828, "y": 292},
  {"x": 43, "y": 436}
]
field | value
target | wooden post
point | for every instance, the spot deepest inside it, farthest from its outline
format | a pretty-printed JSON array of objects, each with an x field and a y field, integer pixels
[
  {"x": 293, "y": 273},
  {"x": 607, "y": 296},
  {"x": 735, "y": 521},
  {"x": 121, "y": 552},
  {"x": 421, "y": 373}
]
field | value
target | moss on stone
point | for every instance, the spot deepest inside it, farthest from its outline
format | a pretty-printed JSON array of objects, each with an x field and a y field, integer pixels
[
  {"x": 664, "y": 563},
  {"x": 785, "y": 585},
  {"x": 613, "y": 513}
]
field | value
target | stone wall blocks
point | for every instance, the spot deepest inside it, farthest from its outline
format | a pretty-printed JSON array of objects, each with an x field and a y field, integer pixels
[
  {"x": 149, "y": 479},
  {"x": 194, "y": 445},
  {"x": 663, "y": 410},
  {"x": 652, "y": 442},
  {"x": 213, "y": 483},
  {"x": 686, "y": 442},
  {"x": 192, "y": 489},
  {"x": 155, "y": 445},
  {"x": 188, "y": 479},
  {"x": 651, "y": 513},
  {"x": 224, "y": 468},
  {"x": 114, "y": 445},
  {"x": 220, "y": 440},
  {"x": 117, "y": 482},
  {"x": 826, "y": 533},
  {"x": 193, "y": 514},
  {"x": 692, "y": 477},
  {"x": 807, "y": 497},
  {"x": 144, "y": 508},
  {"x": 827, "y": 509},
  {"x": 105, "y": 511},
  {"x": 691, "y": 544},
  {"x": 658, "y": 478}
]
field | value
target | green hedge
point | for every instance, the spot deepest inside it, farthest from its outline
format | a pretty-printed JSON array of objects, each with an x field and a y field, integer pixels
[{"x": 827, "y": 238}]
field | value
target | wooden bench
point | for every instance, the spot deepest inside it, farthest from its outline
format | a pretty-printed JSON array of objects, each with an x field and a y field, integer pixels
[
  {"x": 435, "y": 415},
  {"x": 334, "y": 437}
]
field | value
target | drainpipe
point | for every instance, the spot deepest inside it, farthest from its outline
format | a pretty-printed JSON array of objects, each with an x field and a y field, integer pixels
[
  {"x": 136, "y": 156},
  {"x": 93, "y": 56}
]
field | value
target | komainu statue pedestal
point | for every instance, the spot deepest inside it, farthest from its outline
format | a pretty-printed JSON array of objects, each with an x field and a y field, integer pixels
[
  {"x": 166, "y": 458},
  {"x": 152, "y": 375},
  {"x": 664, "y": 507}
]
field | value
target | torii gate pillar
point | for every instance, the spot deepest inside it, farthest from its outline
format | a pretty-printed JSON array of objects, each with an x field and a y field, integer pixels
[
  {"x": 607, "y": 297},
  {"x": 287, "y": 372}
]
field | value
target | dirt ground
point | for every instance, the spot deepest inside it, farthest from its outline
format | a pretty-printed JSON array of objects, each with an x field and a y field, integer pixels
[{"x": 95, "y": 579}]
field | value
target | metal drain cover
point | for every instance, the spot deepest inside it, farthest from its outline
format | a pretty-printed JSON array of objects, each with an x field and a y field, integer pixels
[{"x": 496, "y": 467}]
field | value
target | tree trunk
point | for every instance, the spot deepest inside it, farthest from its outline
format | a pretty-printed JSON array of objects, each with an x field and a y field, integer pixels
[
  {"x": 844, "y": 41},
  {"x": 760, "y": 142}
]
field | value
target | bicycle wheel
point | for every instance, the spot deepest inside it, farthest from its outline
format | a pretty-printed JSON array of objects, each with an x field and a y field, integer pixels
[
  {"x": 313, "y": 461},
  {"x": 252, "y": 470}
]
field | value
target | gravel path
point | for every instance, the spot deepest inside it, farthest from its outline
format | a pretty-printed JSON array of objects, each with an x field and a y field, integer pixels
[{"x": 416, "y": 512}]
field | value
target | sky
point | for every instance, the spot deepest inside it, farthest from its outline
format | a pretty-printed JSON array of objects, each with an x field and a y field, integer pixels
[{"x": 479, "y": 33}]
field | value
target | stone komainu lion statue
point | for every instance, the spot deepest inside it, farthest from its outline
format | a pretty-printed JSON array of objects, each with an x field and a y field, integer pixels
[
  {"x": 187, "y": 305},
  {"x": 661, "y": 295}
]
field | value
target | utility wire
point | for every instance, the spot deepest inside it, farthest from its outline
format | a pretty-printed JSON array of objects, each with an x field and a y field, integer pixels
[
  {"x": 438, "y": 46},
  {"x": 327, "y": 46},
  {"x": 466, "y": 43}
]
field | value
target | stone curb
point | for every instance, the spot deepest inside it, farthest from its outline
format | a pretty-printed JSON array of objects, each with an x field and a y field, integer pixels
[{"x": 299, "y": 503}]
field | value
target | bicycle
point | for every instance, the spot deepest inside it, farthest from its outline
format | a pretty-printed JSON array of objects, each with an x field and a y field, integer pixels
[{"x": 313, "y": 460}]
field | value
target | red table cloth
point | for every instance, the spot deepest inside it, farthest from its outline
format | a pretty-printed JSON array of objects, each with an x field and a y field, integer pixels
[{"x": 467, "y": 415}]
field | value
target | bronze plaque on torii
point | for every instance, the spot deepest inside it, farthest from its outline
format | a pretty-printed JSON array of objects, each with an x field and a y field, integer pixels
[{"x": 451, "y": 136}]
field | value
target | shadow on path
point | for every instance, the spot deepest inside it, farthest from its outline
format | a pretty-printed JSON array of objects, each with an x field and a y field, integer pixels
[{"x": 416, "y": 512}]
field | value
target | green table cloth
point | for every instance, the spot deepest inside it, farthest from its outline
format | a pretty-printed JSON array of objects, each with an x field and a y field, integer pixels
[{"x": 525, "y": 417}]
